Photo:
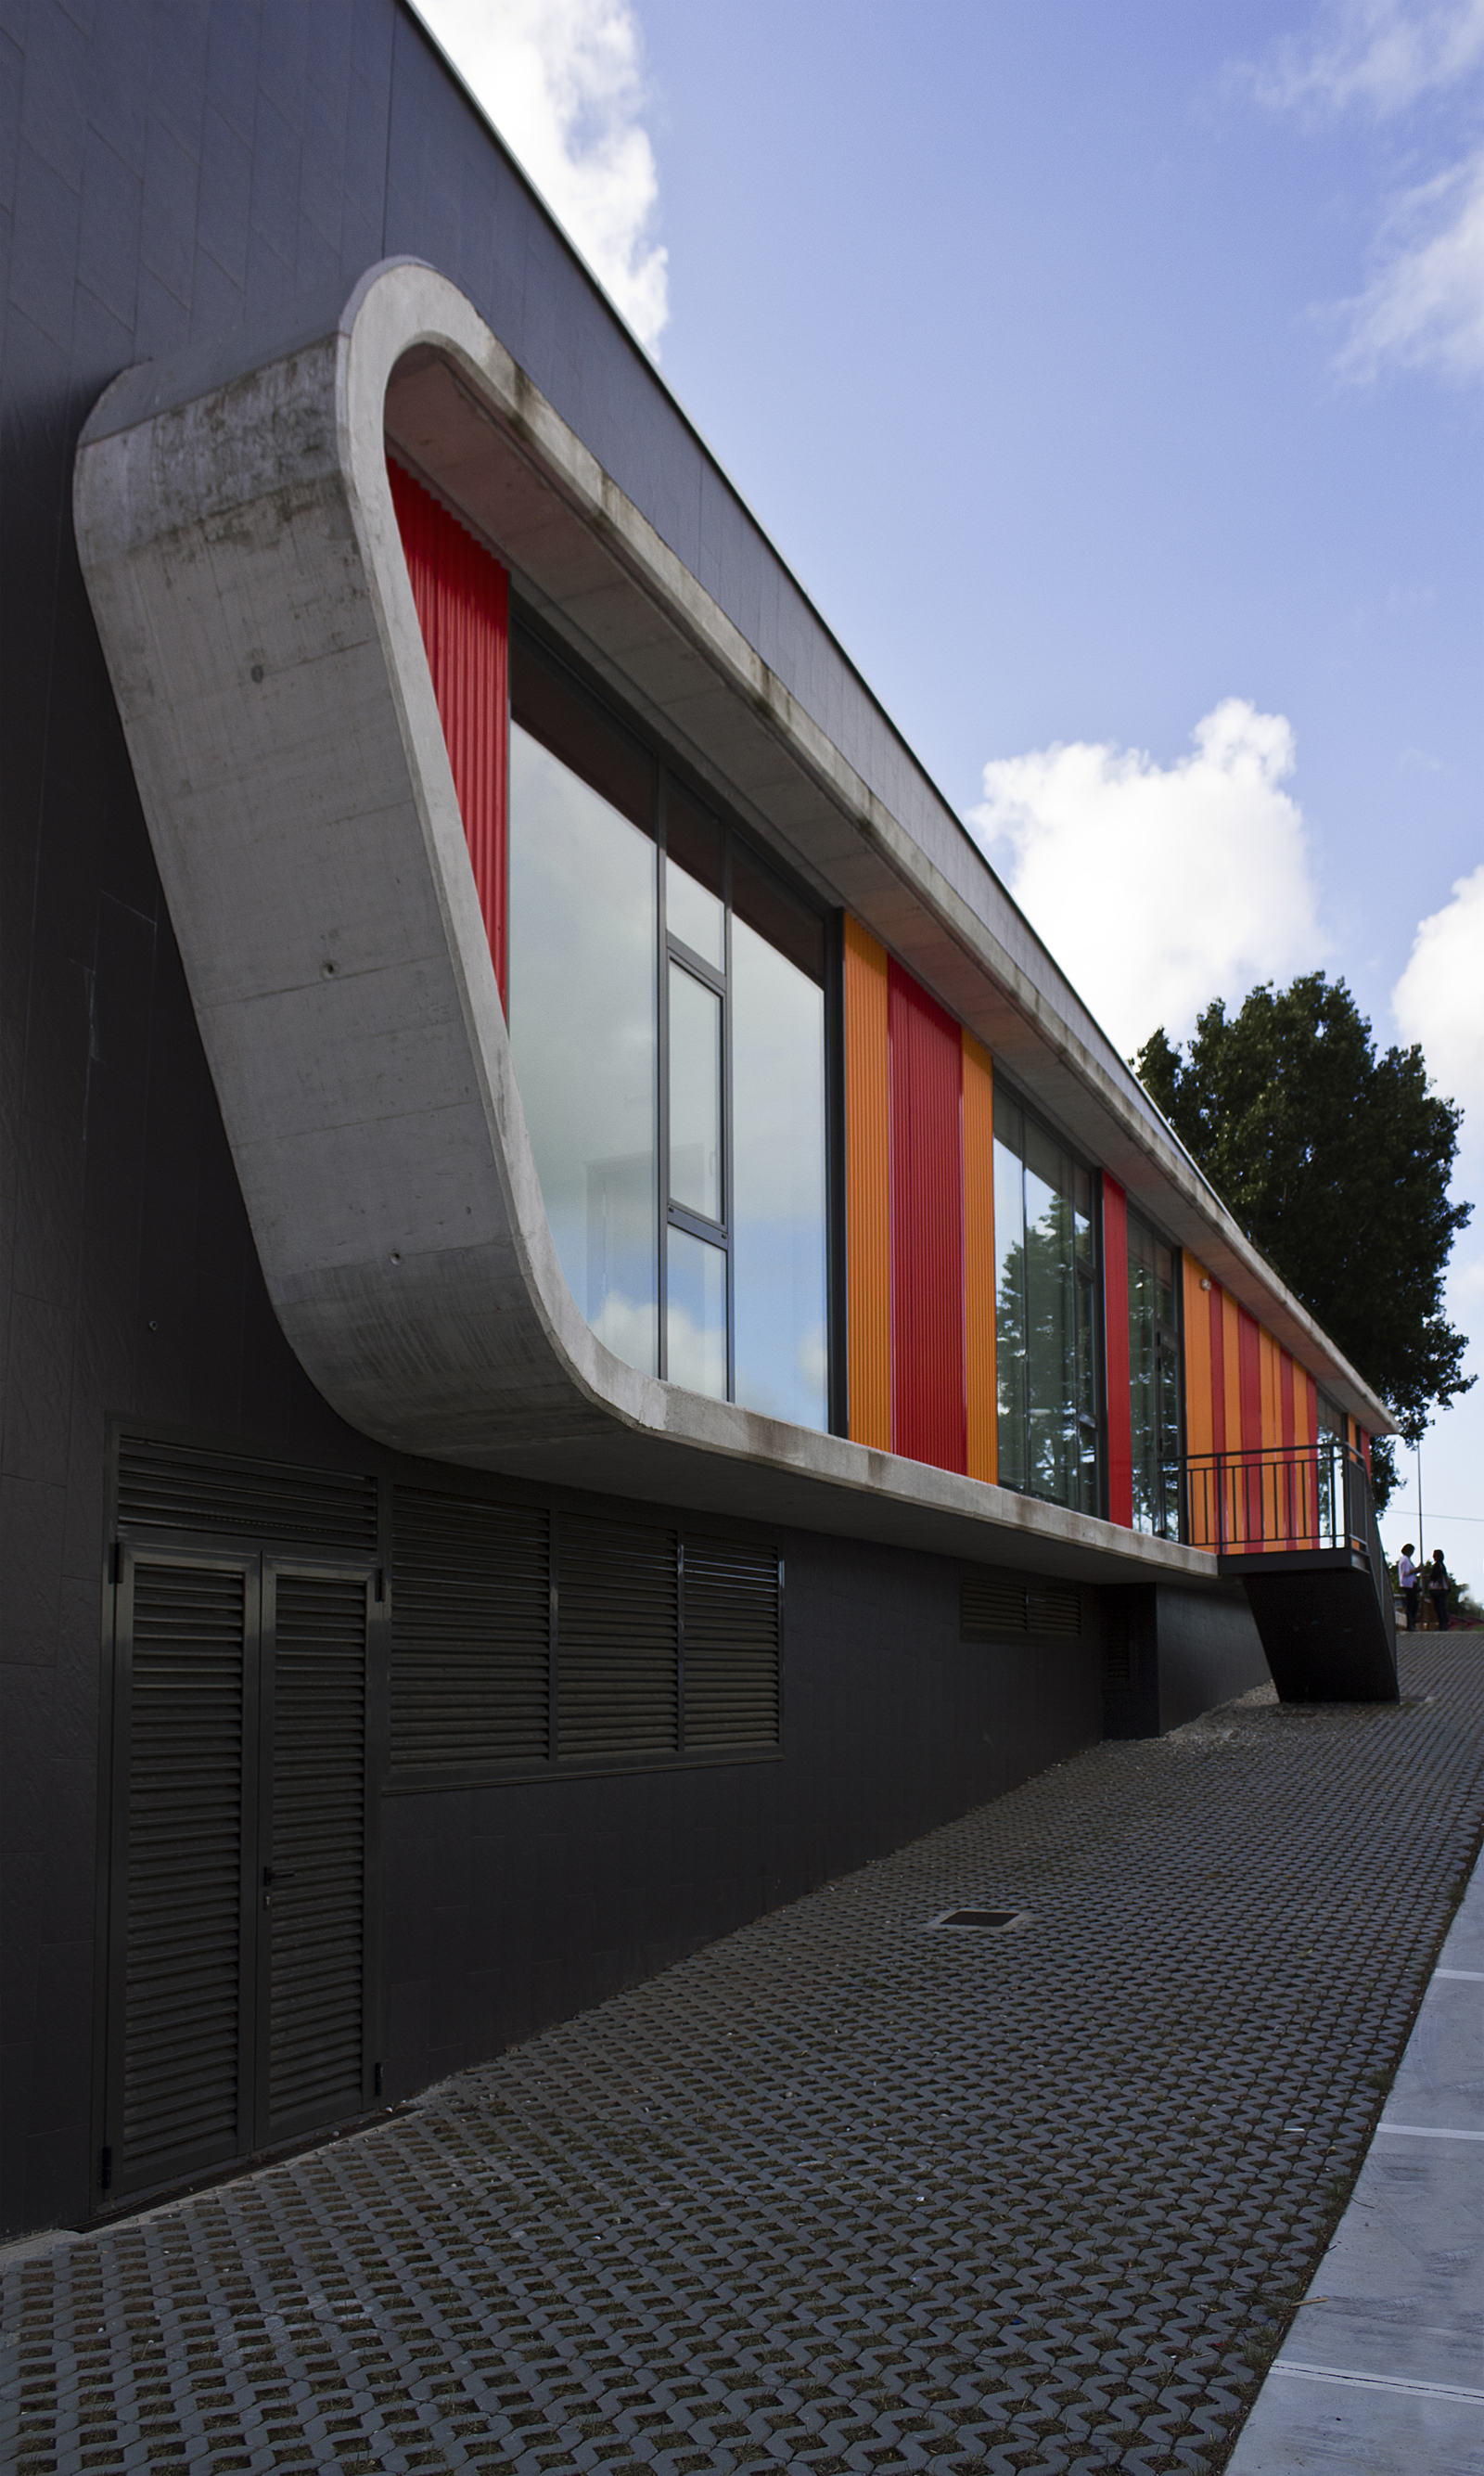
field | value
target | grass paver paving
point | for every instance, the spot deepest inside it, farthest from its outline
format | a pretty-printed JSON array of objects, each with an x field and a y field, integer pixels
[{"x": 843, "y": 2191}]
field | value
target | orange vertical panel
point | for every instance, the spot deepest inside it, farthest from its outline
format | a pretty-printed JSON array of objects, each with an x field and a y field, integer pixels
[
  {"x": 1200, "y": 1431},
  {"x": 983, "y": 1436},
  {"x": 867, "y": 1189}
]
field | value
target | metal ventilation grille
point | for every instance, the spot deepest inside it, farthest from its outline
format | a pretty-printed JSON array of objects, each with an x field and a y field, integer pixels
[
  {"x": 617, "y": 1640},
  {"x": 180, "y": 1487},
  {"x": 732, "y": 1645},
  {"x": 184, "y": 1861},
  {"x": 1053, "y": 1607},
  {"x": 992, "y": 1606},
  {"x": 318, "y": 1848},
  {"x": 470, "y": 1630},
  {"x": 1117, "y": 1649}
]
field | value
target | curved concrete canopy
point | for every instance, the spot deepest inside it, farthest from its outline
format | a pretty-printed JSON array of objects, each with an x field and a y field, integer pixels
[{"x": 244, "y": 560}]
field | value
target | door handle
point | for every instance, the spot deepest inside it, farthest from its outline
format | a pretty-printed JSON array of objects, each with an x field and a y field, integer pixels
[{"x": 279, "y": 1874}]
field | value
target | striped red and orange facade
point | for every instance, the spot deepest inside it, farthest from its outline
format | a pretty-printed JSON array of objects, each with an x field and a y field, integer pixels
[
  {"x": 919, "y": 1132},
  {"x": 1244, "y": 1393}
]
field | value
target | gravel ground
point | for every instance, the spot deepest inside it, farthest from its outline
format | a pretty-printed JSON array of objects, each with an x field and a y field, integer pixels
[{"x": 848, "y": 2189}]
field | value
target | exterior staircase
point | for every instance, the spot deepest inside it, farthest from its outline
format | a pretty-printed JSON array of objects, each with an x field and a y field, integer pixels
[{"x": 1296, "y": 1526}]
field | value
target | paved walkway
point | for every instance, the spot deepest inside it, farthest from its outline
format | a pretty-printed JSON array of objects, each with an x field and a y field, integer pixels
[
  {"x": 849, "y": 2190},
  {"x": 1382, "y": 2372}
]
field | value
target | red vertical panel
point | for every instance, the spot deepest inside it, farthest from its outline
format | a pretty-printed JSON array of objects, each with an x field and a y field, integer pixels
[
  {"x": 929, "y": 1418},
  {"x": 1250, "y": 1379},
  {"x": 1286, "y": 1397},
  {"x": 1219, "y": 1437},
  {"x": 1115, "y": 1342},
  {"x": 463, "y": 598}
]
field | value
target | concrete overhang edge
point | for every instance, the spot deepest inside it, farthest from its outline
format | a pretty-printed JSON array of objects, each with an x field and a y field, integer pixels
[{"x": 245, "y": 568}]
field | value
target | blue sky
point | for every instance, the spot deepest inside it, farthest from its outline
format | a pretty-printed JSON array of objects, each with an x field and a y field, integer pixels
[{"x": 1105, "y": 369}]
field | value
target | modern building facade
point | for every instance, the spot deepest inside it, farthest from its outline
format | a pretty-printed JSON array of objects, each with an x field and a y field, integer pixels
[{"x": 595, "y": 1332}]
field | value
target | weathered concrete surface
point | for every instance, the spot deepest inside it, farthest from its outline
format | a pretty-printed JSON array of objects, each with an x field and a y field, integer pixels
[
  {"x": 1383, "y": 2371},
  {"x": 242, "y": 556}
]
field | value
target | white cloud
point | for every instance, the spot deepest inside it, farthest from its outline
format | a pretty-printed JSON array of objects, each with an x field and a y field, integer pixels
[
  {"x": 1424, "y": 306},
  {"x": 1439, "y": 1000},
  {"x": 562, "y": 82},
  {"x": 1160, "y": 887},
  {"x": 1379, "y": 54}
]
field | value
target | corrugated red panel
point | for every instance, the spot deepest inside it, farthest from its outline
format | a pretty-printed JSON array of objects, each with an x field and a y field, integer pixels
[
  {"x": 1115, "y": 1331},
  {"x": 928, "y": 1402},
  {"x": 1249, "y": 1379},
  {"x": 463, "y": 600},
  {"x": 1219, "y": 1436}
]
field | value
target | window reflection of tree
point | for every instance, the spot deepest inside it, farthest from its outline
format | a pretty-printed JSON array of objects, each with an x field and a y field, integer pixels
[{"x": 1045, "y": 1349}]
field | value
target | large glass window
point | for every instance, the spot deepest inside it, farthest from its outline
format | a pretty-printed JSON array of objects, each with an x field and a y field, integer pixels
[
  {"x": 583, "y": 1010},
  {"x": 1154, "y": 1382},
  {"x": 1044, "y": 1294},
  {"x": 667, "y": 1019}
]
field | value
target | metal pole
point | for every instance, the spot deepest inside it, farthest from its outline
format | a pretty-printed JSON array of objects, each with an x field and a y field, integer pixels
[{"x": 1421, "y": 1539}]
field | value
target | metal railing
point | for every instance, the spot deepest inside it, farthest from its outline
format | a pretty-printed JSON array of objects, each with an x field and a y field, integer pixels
[{"x": 1290, "y": 1498}]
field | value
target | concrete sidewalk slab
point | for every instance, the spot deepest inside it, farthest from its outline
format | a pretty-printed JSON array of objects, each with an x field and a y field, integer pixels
[{"x": 1382, "y": 2373}]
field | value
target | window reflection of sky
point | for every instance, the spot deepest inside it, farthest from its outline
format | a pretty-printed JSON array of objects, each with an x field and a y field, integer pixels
[
  {"x": 778, "y": 1168},
  {"x": 584, "y": 1037}
]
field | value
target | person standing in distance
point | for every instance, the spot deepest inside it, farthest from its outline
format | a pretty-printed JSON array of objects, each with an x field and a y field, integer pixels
[
  {"x": 1409, "y": 1583},
  {"x": 1439, "y": 1584}
]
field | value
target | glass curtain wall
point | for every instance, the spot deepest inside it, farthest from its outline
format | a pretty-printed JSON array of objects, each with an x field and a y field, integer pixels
[
  {"x": 1153, "y": 1381},
  {"x": 1045, "y": 1297},
  {"x": 667, "y": 1022}
]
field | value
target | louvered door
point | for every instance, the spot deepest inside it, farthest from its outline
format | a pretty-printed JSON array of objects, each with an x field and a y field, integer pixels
[
  {"x": 313, "y": 1870},
  {"x": 181, "y": 2094},
  {"x": 237, "y": 1943}
]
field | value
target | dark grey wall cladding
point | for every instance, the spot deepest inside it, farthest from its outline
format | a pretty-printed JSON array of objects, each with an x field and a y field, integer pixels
[
  {"x": 510, "y": 1907},
  {"x": 165, "y": 173}
]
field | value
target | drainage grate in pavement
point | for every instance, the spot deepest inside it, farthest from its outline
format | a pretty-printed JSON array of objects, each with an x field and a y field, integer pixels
[
  {"x": 830, "y": 2195},
  {"x": 989, "y": 1920}
]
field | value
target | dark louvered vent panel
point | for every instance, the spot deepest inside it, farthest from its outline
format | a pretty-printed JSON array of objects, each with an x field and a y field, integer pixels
[
  {"x": 732, "y": 1645},
  {"x": 618, "y": 1638},
  {"x": 1053, "y": 1607},
  {"x": 175, "y": 1487},
  {"x": 1117, "y": 1649},
  {"x": 184, "y": 1860},
  {"x": 990, "y": 1605},
  {"x": 470, "y": 1630},
  {"x": 317, "y": 1848}
]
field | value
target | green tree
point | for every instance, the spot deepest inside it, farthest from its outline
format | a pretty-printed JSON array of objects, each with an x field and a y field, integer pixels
[{"x": 1336, "y": 1161}]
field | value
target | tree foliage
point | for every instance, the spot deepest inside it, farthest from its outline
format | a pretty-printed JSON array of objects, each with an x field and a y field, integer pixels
[{"x": 1336, "y": 1161}]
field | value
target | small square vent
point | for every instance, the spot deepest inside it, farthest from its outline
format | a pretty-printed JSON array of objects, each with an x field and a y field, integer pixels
[{"x": 981, "y": 1921}]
